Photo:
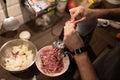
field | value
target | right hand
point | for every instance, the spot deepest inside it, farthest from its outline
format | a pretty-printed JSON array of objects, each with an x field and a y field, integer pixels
[
  {"x": 83, "y": 13},
  {"x": 71, "y": 37}
]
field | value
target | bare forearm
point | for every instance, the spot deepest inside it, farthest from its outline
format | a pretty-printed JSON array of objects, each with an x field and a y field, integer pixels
[
  {"x": 85, "y": 67},
  {"x": 113, "y": 14}
]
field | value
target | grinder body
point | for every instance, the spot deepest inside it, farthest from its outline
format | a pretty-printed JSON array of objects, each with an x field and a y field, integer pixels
[{"x": 85, "y": 30}]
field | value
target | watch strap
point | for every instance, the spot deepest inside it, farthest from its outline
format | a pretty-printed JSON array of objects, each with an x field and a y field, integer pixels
[{"x": 79, "y": 50}]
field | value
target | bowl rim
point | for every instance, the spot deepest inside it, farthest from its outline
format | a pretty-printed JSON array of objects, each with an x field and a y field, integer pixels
[
  {"x": 21, "y": 40},
  {"x": 55, "y": 74}
]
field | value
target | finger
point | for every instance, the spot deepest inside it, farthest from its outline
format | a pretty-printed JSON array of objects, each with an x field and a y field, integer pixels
[
  {"x": 78, "y": 12},
  {"x": 65, "y": 30},
  {"x": 67, "y": 23},
  {"x": 82, "y": 19},
  {"x": 72, "y": 11},
  {"x": 72, "y": 26},
  {"x": 71, "y": 29}
]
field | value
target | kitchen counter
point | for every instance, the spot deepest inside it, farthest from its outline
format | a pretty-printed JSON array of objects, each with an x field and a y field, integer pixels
[
  {"x": 40, "y": 38},
  {"x": 104, "y": 38},
  {"x": 43, "y": 36},
  {"x": 40, "y": 35}
]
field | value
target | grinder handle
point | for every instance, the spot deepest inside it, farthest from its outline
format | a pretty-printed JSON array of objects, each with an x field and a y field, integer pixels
[{"x": 61, "y": 36}]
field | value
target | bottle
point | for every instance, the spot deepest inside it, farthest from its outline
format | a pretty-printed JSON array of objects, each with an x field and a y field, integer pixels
[
  {"x": 87, "y": 3},
  {"x": 71, "y": 4},
  {"x": 61, "y": 5}
]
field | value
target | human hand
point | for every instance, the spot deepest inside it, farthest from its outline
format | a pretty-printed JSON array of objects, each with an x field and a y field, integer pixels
[
  {"x": 71, "y": 39},
  {"x": 80, "y": 14}
]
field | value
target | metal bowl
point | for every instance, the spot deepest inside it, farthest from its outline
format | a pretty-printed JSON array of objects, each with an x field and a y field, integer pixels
[{"x": 14, "y": 58}]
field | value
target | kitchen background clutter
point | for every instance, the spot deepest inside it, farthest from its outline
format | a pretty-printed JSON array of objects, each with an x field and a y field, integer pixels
[
  {"x": 13, "y": 10},
  {"x": 43, "y": 11},
  {"x": 19, "y": 10},
  {"x": 10, "y": 23},
  {"x": 61, "y": 5},
  {"x": 41, "y": 30},
  {"x": 47, "y": 17}
]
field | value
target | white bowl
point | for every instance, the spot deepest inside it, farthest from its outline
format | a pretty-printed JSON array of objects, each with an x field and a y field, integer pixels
[{"x": 39, "y": 64}]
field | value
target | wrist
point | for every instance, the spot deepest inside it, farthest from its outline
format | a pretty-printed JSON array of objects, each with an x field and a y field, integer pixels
[
  {"x": 79, "y": 50},
  {"x": 81, "y": 56}
]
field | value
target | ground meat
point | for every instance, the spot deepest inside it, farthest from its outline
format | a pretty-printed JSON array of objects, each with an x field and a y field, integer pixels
[{"x": 52, "y": 61}]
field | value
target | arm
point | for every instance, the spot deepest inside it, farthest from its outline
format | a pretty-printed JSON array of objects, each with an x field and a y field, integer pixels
[
  {"x": 85, "y": 67},
  {"x": 73, "y": 41},
  {"x": 87, "y": 13},
  {"x": 113, "y": 14}
]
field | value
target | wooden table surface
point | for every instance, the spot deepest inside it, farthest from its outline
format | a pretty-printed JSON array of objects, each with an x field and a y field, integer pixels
[{"x": 40, "y": 38}]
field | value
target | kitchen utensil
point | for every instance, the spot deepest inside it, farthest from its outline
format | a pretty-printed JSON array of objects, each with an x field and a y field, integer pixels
[
  {"x": 10, "y": 23},
  {"x": 107, "y": 22},
  {"x": 25, "y": 35},
  {"x": 34, "y": 77},
  {"x": 84, "y": 28},
  {"x": 17, "y": 55}
]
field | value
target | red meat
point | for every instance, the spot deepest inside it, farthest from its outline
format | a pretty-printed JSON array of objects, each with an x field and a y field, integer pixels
[{"x": 52, "y": 61}]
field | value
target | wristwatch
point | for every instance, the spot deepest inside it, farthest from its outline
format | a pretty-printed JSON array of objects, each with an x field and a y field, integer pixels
[{"x": 79, "y": 50}]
